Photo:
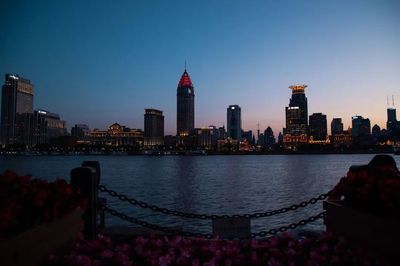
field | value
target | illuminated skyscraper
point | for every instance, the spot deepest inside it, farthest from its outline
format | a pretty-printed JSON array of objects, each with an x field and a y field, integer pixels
[
  {"x": 234, "y": 122},
  {"x": 16, "y": 105},
  {"x": 185, "y": 107},
  {"x": 153, "y": 127},
  {"x": 296, "y": 118}
]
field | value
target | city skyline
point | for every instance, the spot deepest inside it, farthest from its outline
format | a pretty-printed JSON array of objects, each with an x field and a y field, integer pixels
[{"x": 237, "y": 54}]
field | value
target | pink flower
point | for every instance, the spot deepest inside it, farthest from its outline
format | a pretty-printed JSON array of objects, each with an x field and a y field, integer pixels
[
  {"x": 107, "y": 254},
  {"x": 196, "y": 262},
  {"x": 81, "y": 260},
  {"x": 165, "y": 260},
  {"x": 125, "y": 248},
  {"x": 122, "y": 259}
]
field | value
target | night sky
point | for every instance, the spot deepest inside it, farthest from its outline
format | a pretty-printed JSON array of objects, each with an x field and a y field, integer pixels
[{"x": 100, "y": 62}]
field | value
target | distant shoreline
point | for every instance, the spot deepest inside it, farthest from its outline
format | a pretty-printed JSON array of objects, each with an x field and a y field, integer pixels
[{"x": 195, "y": 153}]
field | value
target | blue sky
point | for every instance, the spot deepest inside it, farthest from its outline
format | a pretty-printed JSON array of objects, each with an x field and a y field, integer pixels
[{"x": 100, "y": 62}]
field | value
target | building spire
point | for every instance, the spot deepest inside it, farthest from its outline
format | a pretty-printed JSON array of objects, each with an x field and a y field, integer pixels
[{"x": 185, "y": 65}]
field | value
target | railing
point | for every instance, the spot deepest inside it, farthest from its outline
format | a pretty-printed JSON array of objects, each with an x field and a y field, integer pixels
[{"x": 87, "y": 178}]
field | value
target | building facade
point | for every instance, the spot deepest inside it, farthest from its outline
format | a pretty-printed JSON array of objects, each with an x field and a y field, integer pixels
[
  {"x": 79, "y": 131},
  {"x": 336, "y": 126},
  {"x": 116, "y": 135},
  {"x": 185, "y": 107},
  {"x": 392, "y": 125},
  {"x": 16, "y": 106},
  {"x": 391, "y": 118},
  {"x": 153, "y": 128},
  {"x": 234, "y": 122},
  {"x": 361, "y": 130},
  {"x": 295, "y": 132},
  {"x": 360, "y": 126},
  {"x": 55, "y": 126},
  {"x": 318, "y": 128},
  {"x": 205, "y": 138},
  {"x": 269, "y": 138},
  {"x": 343, "y": 140}
]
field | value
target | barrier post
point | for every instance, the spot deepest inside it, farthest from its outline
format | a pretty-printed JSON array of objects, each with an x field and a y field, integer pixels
[{"x": 85, "y": 179}]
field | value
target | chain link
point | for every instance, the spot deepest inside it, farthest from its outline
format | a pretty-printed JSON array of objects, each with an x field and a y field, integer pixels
[
  {"x": 153, "y": 226},
  {"x": 270, "y": 232},
  {"x": 290, "y": 226},
  {"x": 155, "y": 208}
]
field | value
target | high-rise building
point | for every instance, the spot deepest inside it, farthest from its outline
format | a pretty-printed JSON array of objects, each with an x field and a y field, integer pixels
[
  {"x": 247, "y": 135},
  {"x": 234, "y": 122},
  {"x": 391, "y": 117},
  {"x": 55, "y": 126},
  {"x": 318, "y": 127},
  {"x": 79, "y": 131},
  {"x": 214, "y": 135},
  {"x": 295, "y": 132},
  {"x": 185, "y": 106},
  {"x": 204, "y": 138},
  {"x": 269, "y": 137},
  {"x": 153, "y": 127},
  {"x": 38, "y": 130},
  {"x": 221, "y": 132},
  {"x": 17, "y": 102},
  {"x": 336, "y": 126},
  {"x": 376, "y": 130},
  {"x": 360, "y": 126}
]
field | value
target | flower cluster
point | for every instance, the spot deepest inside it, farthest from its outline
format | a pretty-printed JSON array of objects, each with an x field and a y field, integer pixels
[
  {"x": 99, "y": 252},
  {"x": 176, "y": 250},
  {"x": 376, "y": 190},
  {"x": 25, "y": 202}
]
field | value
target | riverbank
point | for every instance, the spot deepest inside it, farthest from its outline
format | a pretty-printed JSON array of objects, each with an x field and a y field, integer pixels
[{"x": 190, "y": 153}]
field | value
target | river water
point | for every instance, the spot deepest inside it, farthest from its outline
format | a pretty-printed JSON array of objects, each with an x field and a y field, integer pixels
[{"x": 237, "y": 184}]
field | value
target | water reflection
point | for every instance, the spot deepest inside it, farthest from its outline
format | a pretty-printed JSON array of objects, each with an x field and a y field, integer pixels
[
  {"x": 206, "y": 184},
  {"x": 184, "y": 182}
]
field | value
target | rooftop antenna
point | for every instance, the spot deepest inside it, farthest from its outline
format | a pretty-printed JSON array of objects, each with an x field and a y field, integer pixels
[
  {"x": 387, "y": 99},
  {"x": 393, "y": 100},
  {"x": 185, "y": 64}
]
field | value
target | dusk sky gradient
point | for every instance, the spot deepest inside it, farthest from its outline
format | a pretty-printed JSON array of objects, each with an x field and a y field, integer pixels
[{"x": 100, "y": 62}]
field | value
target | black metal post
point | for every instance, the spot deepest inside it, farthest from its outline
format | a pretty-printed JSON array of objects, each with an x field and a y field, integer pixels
[
  {"x": 85, "y": 178},
  {"x": 102, "y": 202},
  {"x": 96, "y": 166}
]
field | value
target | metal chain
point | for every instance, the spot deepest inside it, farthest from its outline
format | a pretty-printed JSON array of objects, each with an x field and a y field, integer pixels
[
  {"x": 290, "y": 208},
  {"x": 289, "y": 227},
  {"x": 155, "y": 208},
  {"x": 270, "y": 232},
  {"x": 153, "y": 226}
]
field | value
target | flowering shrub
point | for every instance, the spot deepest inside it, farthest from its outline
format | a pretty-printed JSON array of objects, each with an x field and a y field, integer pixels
[
  {"x": 25, "y": 202},
  {"x": 176, "y": 250},
  {"x": 375, "y": 190}
]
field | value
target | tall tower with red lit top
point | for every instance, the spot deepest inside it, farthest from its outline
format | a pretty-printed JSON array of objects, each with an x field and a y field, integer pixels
[{"x": 185, "y": 106}]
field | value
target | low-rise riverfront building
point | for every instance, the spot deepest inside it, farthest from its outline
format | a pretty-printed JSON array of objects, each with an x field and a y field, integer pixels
[{"x": 116, "y": 135}]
